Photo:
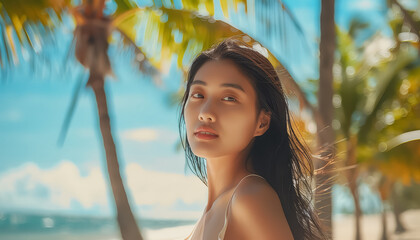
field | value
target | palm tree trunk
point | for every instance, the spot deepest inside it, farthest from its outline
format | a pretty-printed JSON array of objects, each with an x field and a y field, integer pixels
[
  {"x": 357, "y": 210},
  {"x": 385, "y": 186},
  {"x": 325, "y": 92},
  {"x": 126, "y": 221},
  {"x": 397, "y": 211},
  {"x": 399, "y": 228},
  {"x": 384, "y": 225},
  {"x": 352, "y": 176}
]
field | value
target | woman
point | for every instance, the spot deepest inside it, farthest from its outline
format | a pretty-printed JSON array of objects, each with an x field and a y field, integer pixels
[{"x": 240, "y": 142}]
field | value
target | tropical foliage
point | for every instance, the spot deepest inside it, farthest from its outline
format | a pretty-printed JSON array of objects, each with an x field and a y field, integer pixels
[{"x": 377, "y": 101}]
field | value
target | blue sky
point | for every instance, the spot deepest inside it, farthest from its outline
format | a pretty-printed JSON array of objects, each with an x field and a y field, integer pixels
[{"x": 36, "y": 175}]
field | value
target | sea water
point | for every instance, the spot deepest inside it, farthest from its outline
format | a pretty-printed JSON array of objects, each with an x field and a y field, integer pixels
[
  {"x": 26, "y": 226},
  {"x": 22, "y": 226}
]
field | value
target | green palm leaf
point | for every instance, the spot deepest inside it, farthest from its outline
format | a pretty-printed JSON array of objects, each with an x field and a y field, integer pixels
[
  {"x": 24, "y": 22},
  {"x": 163, "y": 32},
  {"x": 388, "y": 82}
]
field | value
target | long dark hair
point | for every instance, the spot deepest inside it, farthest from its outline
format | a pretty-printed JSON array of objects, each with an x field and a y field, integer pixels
[{"x": 278, "y": 155}]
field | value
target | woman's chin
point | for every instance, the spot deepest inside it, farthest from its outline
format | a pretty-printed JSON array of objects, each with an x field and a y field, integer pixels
[{"x": 204, "y": 153}]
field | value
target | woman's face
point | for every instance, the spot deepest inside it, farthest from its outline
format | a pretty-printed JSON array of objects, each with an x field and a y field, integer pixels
[{"x": 220, "y": 112}]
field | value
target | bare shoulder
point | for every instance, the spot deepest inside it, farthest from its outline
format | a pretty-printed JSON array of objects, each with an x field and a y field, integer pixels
[{"x": 256, "y": 213}]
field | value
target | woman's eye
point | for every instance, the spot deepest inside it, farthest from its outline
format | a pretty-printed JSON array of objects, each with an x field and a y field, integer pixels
[
  {"x": 230, "y": 99},
  {"x": 196, "y": 95}
]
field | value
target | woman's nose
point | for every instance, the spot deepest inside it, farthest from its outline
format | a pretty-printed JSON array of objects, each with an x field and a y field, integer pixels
[{"x": 206, "y": 112}]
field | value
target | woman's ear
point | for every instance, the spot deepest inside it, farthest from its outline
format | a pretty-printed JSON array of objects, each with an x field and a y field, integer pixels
[{"x": 263, "y": 122}]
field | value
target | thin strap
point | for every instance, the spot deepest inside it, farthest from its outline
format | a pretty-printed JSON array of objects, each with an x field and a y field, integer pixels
[
  {"x": 223, "y": 231},
  {"x": 195, "y": 226},
  {"x": 189, "y": 236}
]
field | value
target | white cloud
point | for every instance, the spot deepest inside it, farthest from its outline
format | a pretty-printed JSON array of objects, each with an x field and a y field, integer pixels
[
  {"x": 363, "y": 5},
  {"x": 52, "y": 188},
  {"x": 57, "y": 188},
  {"x": 141, "y": 135},
  {"x": 151, "y": 187},
  {"x": 150, "y": 135}
]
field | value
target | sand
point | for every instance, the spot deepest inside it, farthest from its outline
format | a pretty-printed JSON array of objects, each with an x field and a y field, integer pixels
[
  {"x": 371, "y": 226},
  {"x": 343, "y": 228}
]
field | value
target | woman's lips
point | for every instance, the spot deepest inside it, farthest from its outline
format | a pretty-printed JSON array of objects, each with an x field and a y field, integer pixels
[{"x": 205, "y": 136}]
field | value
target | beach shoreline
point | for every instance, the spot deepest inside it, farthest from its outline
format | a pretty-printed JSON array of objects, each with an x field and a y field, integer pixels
[{"x": 343, "y": 225}]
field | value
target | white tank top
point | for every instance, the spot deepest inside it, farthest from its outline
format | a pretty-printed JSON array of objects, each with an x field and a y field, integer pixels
[{"x": 210, "y": 226}]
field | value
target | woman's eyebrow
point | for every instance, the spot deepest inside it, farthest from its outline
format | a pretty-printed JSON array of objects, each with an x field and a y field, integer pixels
[{"x": 231, "y": 85}]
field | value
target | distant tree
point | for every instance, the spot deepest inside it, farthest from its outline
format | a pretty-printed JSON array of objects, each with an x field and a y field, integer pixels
[{"x": 369, "y": 100}]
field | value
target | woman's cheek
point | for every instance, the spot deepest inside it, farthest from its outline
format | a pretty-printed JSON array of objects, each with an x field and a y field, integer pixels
[
  {"x": 241, "y": 127},
  {"x": 188, "y": 117}
]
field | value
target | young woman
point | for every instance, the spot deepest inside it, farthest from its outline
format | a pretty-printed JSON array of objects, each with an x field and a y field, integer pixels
[{"x": 240, "y": 142}]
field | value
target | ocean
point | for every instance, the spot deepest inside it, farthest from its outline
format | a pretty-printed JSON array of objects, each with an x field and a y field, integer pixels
[
  {"x": 22, "y": 226},
  {"x": 38, "y": 226}
]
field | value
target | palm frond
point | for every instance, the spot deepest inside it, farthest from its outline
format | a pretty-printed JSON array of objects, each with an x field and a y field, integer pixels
[
  {"x": 21, "y": 22},
  {"x": 388, "y": 82},
  {"x": 81, "y": 81},
  {"x": 269, "y": 21},
  {"x": 351, "y": 84},
  {"x": 140, "y": 58},
  {"x": 163, "y": 32},
  {"x": 124, "y": 6}
]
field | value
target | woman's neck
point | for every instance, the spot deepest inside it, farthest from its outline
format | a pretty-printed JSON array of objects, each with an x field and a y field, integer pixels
[{"x": 223, "y": 174}]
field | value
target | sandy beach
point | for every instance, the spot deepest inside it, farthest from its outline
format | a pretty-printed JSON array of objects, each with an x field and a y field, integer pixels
[
  {"x": 371, "y": 226},
  {"x": 343, "y": 228}
]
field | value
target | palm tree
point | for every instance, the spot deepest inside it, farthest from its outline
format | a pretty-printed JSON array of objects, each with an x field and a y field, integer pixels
[
  {"x": 325, "y": 132},
  {"x": 359, "y": 103},
  {"x": 91, "y": 40},
  {"x": 351, "y": 96}
]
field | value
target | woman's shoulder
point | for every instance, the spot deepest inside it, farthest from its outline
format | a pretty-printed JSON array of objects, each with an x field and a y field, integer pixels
[
  {"x": 252, "y": 184},
  {"x": 256, "y": 191},
  {"x": 256, "y": 211}
]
